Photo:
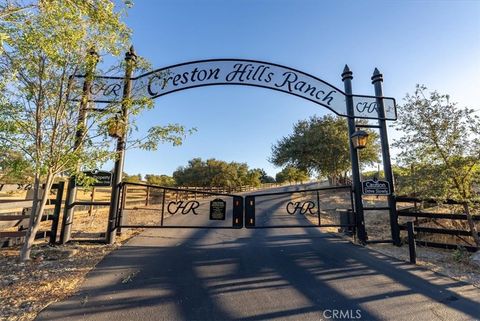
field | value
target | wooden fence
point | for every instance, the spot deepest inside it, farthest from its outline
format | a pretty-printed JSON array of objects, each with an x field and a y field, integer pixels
[
  {"x": 15, "y": 214},
  {"x": 434, "y": 220}
]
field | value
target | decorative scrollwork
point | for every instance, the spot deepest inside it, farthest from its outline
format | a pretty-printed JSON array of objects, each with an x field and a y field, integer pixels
[
  {"x": 300, "y": 207},
  {"x": 184, "y": 207},
  {"x": 367, "y": 107}
]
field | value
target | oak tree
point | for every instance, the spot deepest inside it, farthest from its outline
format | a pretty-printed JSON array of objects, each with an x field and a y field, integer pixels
[
  {"x": 291, "y": 175},
  {"x": 321, "y": 145},
  {"x": 213, "y": 172},
  {"x": 442, "y": 141}
]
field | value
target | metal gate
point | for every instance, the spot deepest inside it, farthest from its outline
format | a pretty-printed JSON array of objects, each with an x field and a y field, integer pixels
[
  {"x": 151, "y": 206},
  {"x": 319, "y": 207}
]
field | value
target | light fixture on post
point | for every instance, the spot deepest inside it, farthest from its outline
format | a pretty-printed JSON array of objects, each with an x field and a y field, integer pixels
[
  {"x": 359, "y": 139},
  {"x": 116, "y": 127}
]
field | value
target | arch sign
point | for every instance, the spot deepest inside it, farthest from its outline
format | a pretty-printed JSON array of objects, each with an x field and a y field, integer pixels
[{"x": 212, "y": 72}]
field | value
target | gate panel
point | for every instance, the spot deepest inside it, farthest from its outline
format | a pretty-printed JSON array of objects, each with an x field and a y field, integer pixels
[
  {"x": 150, "y": 206},
  {"x": 321, "y": 207}
]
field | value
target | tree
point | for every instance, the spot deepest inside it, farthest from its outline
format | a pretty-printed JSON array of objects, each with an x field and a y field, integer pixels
[
  {"x": 253, "y": 178},
  {"x": 264, "y": 178},
  {"x": 161, "y": 180},
  {"x": 42, "y": 46},
  {"x": 14, "y": 168},
  {"x": 213, "y": 172},
  {"x": 291, "y": 174},
  {"x": 442, "y": 142},
  {"x": 132, "y": 178},
  {"x": 267, "y": 179},
  {"x": 321, "y": 145}
]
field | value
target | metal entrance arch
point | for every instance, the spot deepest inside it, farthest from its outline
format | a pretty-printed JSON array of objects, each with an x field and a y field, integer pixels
[
  {"x": 243, "y": 72},
  {"x": 105, "y": 89}
]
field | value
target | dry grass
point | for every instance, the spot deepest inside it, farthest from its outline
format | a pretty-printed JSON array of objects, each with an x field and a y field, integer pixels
[
  {"x": 455, "y": 264},
  {"x": 53, "y": 274}
]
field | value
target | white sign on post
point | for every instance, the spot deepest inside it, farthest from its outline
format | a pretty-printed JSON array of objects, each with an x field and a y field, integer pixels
[{"x": 375, "y": 187}]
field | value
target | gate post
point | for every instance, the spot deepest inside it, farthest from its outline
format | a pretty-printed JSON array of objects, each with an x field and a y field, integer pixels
[
  {"x": 347, "y": 77},
  {"x": 249, "y": 211},
  {"x": 92, "y": 60},
  {"x": 56, "y": 212},
  {"x": 237, "y": 217},
  {"x": 130, "y": 59},
  {"x": 377, "y": 80}
]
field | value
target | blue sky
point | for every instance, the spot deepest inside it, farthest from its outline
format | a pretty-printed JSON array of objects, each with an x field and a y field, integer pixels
[{"x": 436, "y": 43}]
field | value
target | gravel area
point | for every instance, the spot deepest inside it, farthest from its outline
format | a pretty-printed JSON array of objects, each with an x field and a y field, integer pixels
[{"x": 452, "y": 263}]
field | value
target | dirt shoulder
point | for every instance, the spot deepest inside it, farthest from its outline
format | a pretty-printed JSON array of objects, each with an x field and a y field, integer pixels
[
  {"x": 54, "y": 273},
  {"x": 452, "y": 263}
]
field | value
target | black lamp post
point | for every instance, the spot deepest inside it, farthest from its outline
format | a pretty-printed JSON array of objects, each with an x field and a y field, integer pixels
[
  {"x": 359, "y": 139},
  {"x": 347, "y": 77}
]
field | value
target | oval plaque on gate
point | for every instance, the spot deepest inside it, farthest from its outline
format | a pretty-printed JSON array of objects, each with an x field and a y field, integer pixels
[{"x": 218, "y": 209}]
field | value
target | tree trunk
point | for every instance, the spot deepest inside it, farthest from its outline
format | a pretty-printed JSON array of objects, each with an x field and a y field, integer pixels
[
  {"x": 471, "y": 224},
  {"x": 36, "y": 216},
  {"x": 330, "y": 180}
]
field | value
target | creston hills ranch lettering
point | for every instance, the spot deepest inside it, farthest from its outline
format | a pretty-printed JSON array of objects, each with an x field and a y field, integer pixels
[
  {"x": 106, "y": 89},
  {"x": 240, "y": 73}
]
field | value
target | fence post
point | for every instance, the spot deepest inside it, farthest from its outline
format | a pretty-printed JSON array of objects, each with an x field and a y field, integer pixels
[
  {"x": 318, "y": 210},
  {"x": 411, "y": 243},
  {"x": 249, "y": 211},
  {"x": 92, "y": 198},
  {"x": 56, "y": 212},
  {"x": 148, "y": 196},
  {"x": 123, "y": 202}
]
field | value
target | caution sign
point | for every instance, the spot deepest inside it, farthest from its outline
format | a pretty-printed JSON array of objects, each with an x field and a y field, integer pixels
[
  {"x": 375, "y": 187},
  {"x": 218, "y": 209}
]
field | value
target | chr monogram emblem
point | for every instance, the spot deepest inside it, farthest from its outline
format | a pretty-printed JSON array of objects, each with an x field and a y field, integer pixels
[
  {"x": 300, "y": 207},
  {"x": 184, "y": 207},
  {"x": 367, "y": 107}
]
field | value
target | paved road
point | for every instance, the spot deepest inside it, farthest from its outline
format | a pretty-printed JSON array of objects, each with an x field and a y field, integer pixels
[{"x": 260, "y": 274}]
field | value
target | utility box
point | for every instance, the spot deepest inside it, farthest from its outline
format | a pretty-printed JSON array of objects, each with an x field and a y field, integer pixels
[{"x": 346, "y": 218}]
